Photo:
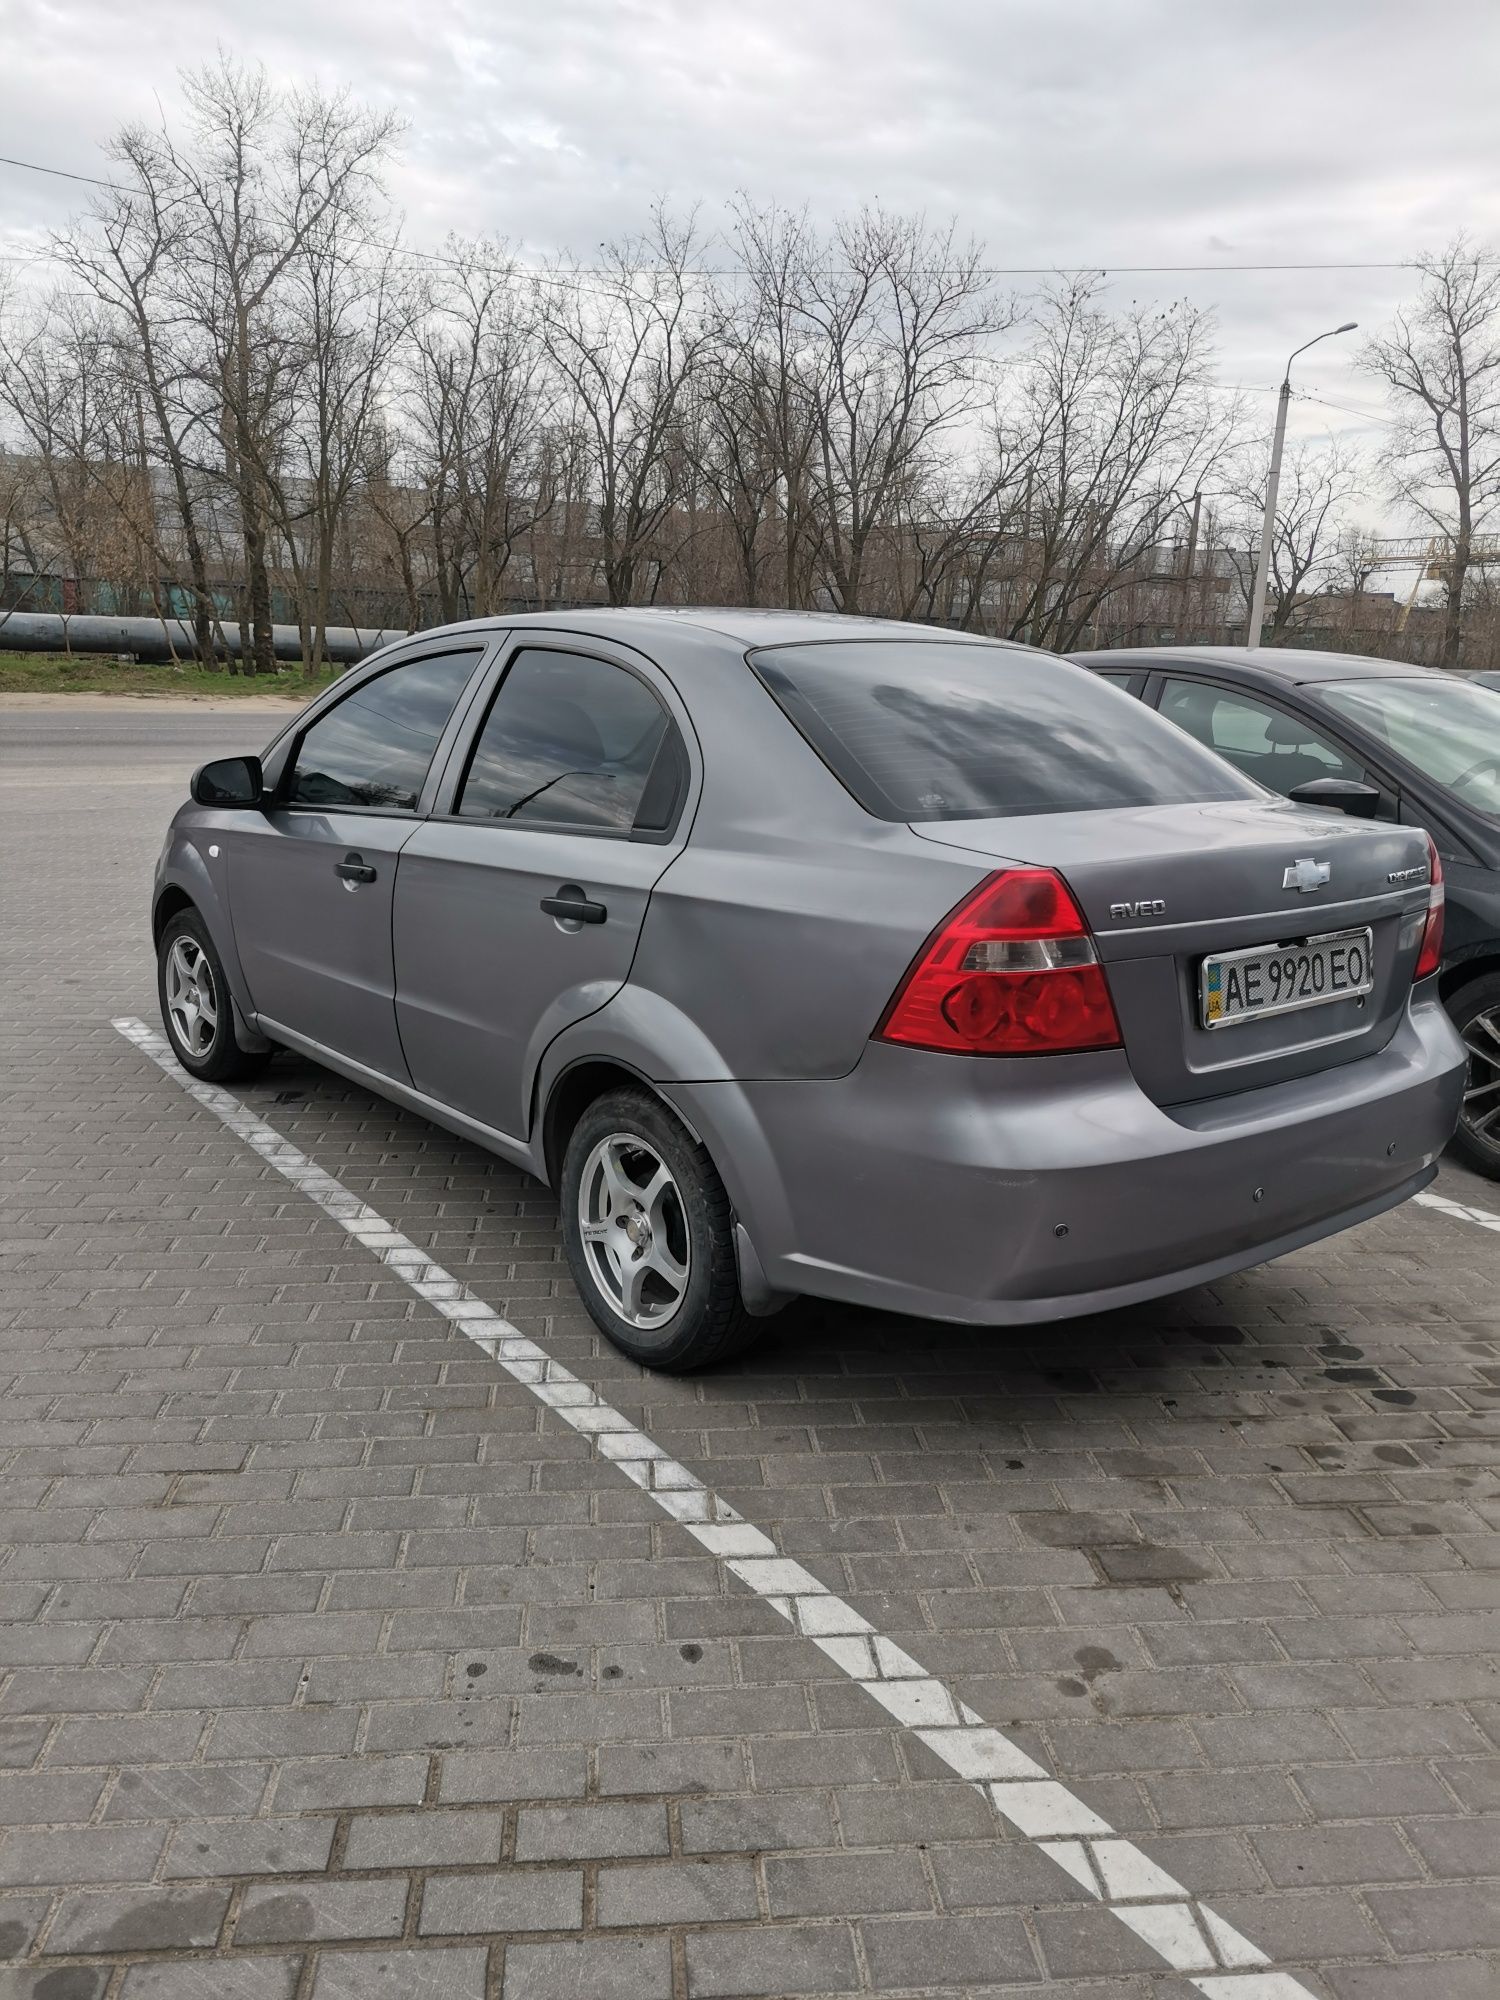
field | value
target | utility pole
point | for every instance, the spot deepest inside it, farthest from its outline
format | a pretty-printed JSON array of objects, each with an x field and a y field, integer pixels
[
  {"x": 1184, "y": 595},
  {"x": 1273, "y": 480},
  {"x": 1192, "y": 540}
]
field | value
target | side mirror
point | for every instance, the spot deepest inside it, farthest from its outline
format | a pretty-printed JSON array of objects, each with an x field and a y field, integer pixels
[
  {"x": 1345, "y": 795},
  {"x": 229, "y": 781}
]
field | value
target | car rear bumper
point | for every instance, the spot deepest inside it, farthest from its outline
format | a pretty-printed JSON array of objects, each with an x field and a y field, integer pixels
[{"x": 998, "y": 1192}]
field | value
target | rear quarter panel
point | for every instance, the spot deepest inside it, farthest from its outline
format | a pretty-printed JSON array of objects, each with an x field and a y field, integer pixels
[{"x": 783, "y": 929}]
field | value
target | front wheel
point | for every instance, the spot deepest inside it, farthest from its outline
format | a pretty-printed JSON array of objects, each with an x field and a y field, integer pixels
[
  {"x": 1475, "y": 1010},
  {"x": 650, "y": 1237},
  {"x": 196, "y": 1009}
]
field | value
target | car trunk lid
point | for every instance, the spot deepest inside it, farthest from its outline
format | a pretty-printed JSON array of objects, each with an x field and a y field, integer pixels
[{"x": 1163, "y": 887}]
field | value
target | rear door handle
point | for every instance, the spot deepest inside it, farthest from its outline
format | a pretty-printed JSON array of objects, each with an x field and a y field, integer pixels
[
  {"x": 353, "y": 869},
  {"x": 575, "y": 907}
]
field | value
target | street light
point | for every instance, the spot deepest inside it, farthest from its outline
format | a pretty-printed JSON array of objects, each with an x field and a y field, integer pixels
[{"x": 1268, "y": 527}]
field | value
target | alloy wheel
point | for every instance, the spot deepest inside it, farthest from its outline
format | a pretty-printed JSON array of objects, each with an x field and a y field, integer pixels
[
  {"x": 192, "y": 1000},
  {"x": 1480, "y": 1116},
  {"x": 634, "y": 1230}
]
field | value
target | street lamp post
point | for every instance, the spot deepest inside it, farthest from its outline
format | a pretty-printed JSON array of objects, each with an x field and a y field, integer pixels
[{"x": 1273, "y": 480}]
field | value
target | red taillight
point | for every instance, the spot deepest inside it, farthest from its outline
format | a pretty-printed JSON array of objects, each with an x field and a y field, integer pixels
[
  {"x": 1013, "y": 972},
  {"x": 1430, "y": 957}
]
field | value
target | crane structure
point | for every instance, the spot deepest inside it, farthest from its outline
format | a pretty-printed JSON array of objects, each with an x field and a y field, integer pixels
[{"x": 1429, "y": 553}]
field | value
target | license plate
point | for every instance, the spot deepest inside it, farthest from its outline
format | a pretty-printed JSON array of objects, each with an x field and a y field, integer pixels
[{"x": 1269, "y": 979}]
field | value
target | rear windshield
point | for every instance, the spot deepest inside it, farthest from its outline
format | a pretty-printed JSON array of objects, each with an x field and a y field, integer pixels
[{"x": 932, "y": 729}]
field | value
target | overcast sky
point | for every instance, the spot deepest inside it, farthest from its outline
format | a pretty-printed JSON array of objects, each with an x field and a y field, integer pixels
[{"x": 1060, "y": 132}]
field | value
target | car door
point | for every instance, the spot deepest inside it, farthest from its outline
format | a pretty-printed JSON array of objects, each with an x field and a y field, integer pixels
[
  {"x": 1262, "y": 738},
  {"x": 519, "y": 903},
  {"x": 311, "y": 879}
]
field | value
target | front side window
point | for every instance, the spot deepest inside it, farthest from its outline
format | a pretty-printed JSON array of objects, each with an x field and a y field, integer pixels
[
  {"x": 1449, "y": 729},
  {"x": 937, "y": 729},
  {"x": 374, "y": 748},
  {"x": 573, "y": 742},
  {"x": 1263, "y": 741}
]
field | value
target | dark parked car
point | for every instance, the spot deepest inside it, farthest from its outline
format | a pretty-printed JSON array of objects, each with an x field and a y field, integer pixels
[
  {"x": 1396, "y": 743},
  {"x": 812, "y": 954}
]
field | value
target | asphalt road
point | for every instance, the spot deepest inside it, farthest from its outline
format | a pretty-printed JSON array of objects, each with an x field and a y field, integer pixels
[{"x": 340, "y": 1658}]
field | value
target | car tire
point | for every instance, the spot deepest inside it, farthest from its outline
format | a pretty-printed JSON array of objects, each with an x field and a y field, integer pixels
[
  {"x": 1475, "y": 1012},
  {"x": 649, "y": 1235},
  {"x": 196, "y": 1008}
]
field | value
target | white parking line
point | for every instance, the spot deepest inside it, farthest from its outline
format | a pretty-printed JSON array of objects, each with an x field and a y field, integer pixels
[
  {"x": 1460, "y": 1211},
  {"x": 1191, "y": 1938}
]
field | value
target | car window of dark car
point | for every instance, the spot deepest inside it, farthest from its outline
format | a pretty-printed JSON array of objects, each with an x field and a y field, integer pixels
[
  {"x": 1259, "y": 738},
  {"x": 934, "y": 730},
  {"x": 1448, "y": 728},
  {"x": 374, "y": 748},
  {"x": 574, "y": 743}
]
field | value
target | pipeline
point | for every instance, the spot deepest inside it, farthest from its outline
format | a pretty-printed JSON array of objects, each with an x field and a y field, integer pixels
[{"x": 164, "y": 639}]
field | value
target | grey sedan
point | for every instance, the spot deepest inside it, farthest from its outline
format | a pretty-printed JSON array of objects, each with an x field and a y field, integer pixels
[{"x": 818, "y": 955}]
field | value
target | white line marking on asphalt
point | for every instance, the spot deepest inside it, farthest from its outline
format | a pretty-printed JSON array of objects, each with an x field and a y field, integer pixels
[
  {"x": 1460, "y": 1211},
  {"x": 1191, "y": 1938}
]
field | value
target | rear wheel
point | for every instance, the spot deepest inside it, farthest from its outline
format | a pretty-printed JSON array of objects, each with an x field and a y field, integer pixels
[
  {"x": 650, "y": 1237},
  {"x": 1475, "y": 1009},
  {"x": 196, "y": 1008}
]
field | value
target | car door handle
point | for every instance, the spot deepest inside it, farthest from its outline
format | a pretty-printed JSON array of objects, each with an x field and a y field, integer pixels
[
  {"x": 576, "y": 907},
  {"x": 353, "y": 869}
]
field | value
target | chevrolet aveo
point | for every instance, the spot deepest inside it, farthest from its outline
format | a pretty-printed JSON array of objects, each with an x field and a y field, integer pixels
[{"x": 820, "y": 955}]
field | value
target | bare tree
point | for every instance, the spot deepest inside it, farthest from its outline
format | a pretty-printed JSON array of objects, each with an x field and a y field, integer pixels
[
  {"x": 952, "y": 530},
  {"x": 126, "y": 253},
  {"x": 1124, "y": 421},
  {"x": 762, "y": 388},
  {"x": 899, "y": 317},
  {"x": 477, "y": 402},
  {"x": 262, "y": 187},
  {"x": 354, "y": 310},
  {"x": 1440, "y": 363},
  {"x": 19, "y": 517},
  {"x": 254, "y": 399},
  {"x": 55, "y": 388},
  {"x": 627, "y": 343},
  {"x": 1311, "y": 545}
]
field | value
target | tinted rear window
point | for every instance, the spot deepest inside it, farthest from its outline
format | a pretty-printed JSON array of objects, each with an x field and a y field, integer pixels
[{"x": 932, "y": 730}]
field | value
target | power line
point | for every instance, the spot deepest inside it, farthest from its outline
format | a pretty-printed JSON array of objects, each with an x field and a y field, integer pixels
[
  {"x": 1348, "y": 409},
  {"x": 61, "y": 173},
  {"x": 1105, "y": 269}
]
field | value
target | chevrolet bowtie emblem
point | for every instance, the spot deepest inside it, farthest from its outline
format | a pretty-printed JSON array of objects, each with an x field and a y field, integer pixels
[{"x": 1306, "y": 875}]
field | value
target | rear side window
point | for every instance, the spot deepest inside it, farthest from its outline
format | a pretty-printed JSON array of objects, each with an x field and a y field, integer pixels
[
  {"x": 932, "y": 730},
  {"x": 374, "y": 748},
  {"x": 575, "y": 743},
  {"x": 1262, "y": 740}
]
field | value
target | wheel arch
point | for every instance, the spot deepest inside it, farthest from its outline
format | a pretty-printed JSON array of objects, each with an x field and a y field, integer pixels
[
  {"x": 1480, "y": 961},
  {"x": 570, "y": 1094},
  {"x": 172, "y": 899}
]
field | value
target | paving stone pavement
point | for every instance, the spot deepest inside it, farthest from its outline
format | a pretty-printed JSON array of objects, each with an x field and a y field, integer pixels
[{"x": 334, "y": 1664}]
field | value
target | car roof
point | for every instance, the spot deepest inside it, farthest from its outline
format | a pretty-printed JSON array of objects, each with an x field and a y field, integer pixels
[
  {"x": 1265, "y": 666},
  {"x": 746, "y": 627}
]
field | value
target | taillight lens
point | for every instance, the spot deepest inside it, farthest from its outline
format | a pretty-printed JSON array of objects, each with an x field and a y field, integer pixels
[
  {"x": 1013, "y": 972},
  {"x": 1430, "y": 957}
]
